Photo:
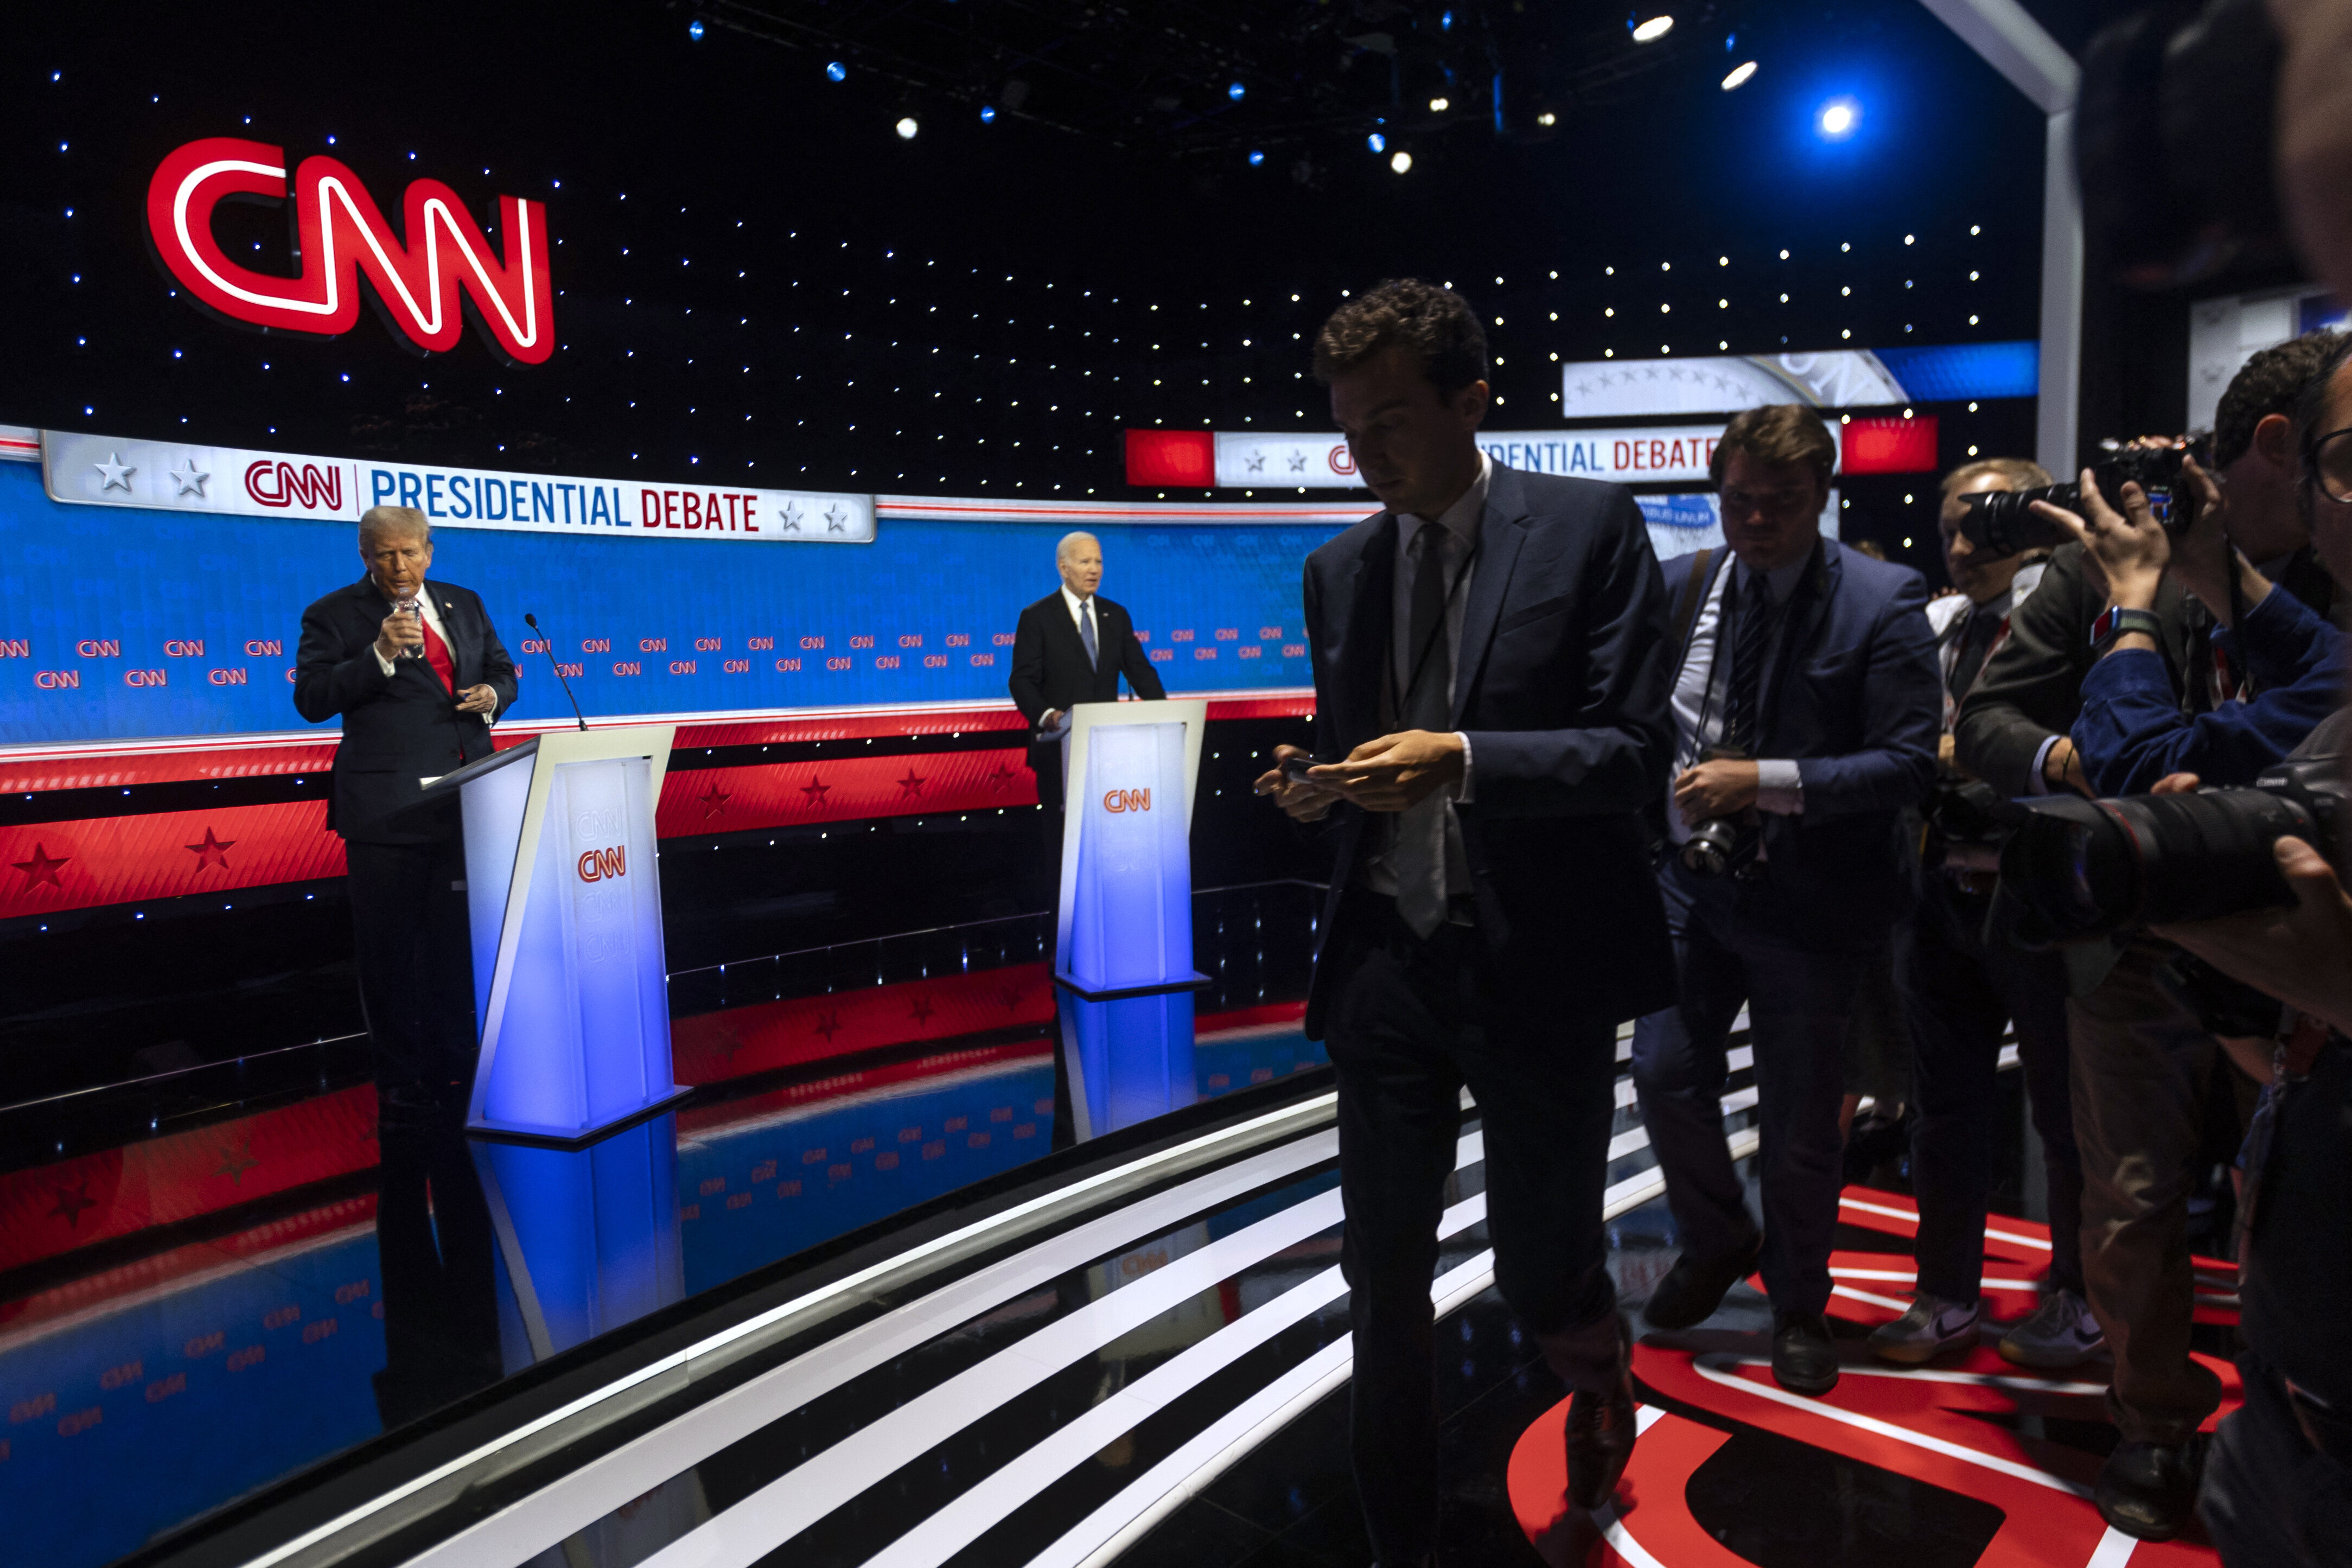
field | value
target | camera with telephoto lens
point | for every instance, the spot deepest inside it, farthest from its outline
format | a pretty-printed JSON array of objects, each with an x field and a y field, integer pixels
[
  {"x": 2075, "y": 870},
  {"x": 2003, "y": 522},
  {"x": 1723, "y": 844}
]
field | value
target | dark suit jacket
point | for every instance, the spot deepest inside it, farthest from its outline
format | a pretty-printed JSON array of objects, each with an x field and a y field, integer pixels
[
  {"x": 2031, "y": 687},
  {"x": 1855, "y": 698},
  {"x": 396, "y": 731},
  {"x": 1561, "y": 685},
  {"x": 1050, "y": 669}
]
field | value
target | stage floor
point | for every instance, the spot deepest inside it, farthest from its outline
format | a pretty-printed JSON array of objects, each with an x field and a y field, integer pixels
[{"x": 932, "y": 1269}]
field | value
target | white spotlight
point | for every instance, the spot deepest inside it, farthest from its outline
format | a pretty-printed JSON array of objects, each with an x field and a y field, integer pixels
[
  {"x": 1651, "y": 31},
  {"x": 1440, "y": 105},
  {"x": 1740, "y": 75},
  {"x": 1401, "y": 161},
  {"x": 907, "y": 128}
]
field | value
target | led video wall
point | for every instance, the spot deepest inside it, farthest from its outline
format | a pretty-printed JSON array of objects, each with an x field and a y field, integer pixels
[{"x": 122, "y": 623}]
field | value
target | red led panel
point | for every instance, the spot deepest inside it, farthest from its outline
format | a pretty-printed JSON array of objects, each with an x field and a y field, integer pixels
[
  {"x": 1889, "y": 446},
  {"x": 698, "y": 801},
  {"x": 1172, "y": 457},
  {"x": 766, "y": 1035}
]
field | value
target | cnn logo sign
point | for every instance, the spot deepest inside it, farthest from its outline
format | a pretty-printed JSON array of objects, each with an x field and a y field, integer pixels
[
  {"x": 601, "y": 865},
  {"x": 1124, "y": 800}
]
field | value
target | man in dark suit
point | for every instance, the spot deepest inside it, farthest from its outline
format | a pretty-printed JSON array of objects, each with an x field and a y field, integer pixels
[
  {"x": 1071, "y": 647},
  {"x": 418, "y": 674},
  {"x": 1490, "y": 689},
  {"x": 1807, "y": 707}
]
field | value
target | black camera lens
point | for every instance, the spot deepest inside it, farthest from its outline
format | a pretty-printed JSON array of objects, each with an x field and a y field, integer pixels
[
  {"x": 2003, "y": 522},
  {"x": 2084, "y": 869}
]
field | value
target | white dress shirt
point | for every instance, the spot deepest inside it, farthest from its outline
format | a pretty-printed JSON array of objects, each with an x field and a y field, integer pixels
[
  {"x": 1457, "y": 552},
  {"x": 1702, "y": 687},
  {"x": 431, "y": 616},
  {"x": 1080, "y": 610}
]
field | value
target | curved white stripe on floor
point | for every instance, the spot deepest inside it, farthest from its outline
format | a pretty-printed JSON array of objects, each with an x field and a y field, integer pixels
[
  {"x": 806, "y": 1493},
  {"x": 961, "y": 1522},
  {"x": 579, "y": 1498}
]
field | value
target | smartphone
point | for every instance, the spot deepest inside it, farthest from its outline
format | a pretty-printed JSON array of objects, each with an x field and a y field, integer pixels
[{"x": 1295, "y": 768}]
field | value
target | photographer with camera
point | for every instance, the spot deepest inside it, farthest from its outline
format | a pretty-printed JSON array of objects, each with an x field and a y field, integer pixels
[
  {"x": 2143, "y": 1061},
  {"x": 1963, "y": 994},
  {"x": 1805, "y": 705}
]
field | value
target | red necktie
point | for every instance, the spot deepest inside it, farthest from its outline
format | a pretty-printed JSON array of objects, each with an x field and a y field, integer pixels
[{"x": 436, "y": 654}]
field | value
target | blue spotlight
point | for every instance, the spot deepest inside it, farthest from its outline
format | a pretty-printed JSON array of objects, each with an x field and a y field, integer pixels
[
  {"x": 988, "y": 114},
  {"x": 1837, "y": 120},
  {"x": 694, "y": 30},
  {"x": 836, "y": 72},
  {"x": 1445, "y": 22},
  {"x": 1255, "y": 159},
  {"x": 1377, "y": 142},
  {"x": 1235, "y": 92}
]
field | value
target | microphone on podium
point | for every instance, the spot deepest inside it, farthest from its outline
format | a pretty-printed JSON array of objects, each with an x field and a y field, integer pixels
[{"x": 547, "y": 648}]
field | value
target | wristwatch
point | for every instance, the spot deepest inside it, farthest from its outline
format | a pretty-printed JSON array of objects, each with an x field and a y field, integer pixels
[{"x": 2115, "y": 621}]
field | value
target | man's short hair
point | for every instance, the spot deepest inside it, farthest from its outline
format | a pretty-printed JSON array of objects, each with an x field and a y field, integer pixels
[
  {"x": 403, "y": 521},
  {"x": 2022, "y": 474},
  {"x": 1776, "y": 433},
  {"x": 1435, "y": 325},
  {"x": 2271, "y": 382},
  {"x": 1071, "y": 542},
  {"x": 2311, "y": 407}
]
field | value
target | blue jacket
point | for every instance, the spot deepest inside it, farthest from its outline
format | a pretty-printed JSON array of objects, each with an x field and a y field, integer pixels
[
  {"x": 2132, "y": 732},
  {"x": 1854, "y": 697},
  {"x": 1561, "y": 687}
]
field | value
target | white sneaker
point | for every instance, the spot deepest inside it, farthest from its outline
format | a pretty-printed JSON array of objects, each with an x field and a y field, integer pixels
[
  {"x": 2061, "y": 1333},
  {"x": 1931, "y": 1327}
]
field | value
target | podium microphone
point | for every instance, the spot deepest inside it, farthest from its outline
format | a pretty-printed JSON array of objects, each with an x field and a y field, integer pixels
[{"x": 547, "y": 648}]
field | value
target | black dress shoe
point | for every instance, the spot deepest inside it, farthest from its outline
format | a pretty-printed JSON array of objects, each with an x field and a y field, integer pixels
[
  {"x": 1695, "y": 1286},
  {"x": 2148, "y": 1489},
  {"x": 1804, "y": 1356},
  {"x": 1601, "y": 1431}
]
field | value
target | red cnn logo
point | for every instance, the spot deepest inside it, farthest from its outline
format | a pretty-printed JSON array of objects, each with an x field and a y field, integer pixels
[
  {"x": 279, "y": 484},
  {"x": 338, "y": 234},
  {"x": 596, "y": 864},
  {"x": 1119, "y": 799}
]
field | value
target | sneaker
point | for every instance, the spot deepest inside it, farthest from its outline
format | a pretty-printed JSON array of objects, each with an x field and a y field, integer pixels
[
  {"x": 1931, "y": 1327},
  {"x": 2061, "y": 1333}
]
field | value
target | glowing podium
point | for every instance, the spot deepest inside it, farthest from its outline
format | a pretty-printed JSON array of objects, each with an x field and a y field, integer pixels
[
  {"x": 564, "y": 897},
  {"x": 1127, "y": 862}
]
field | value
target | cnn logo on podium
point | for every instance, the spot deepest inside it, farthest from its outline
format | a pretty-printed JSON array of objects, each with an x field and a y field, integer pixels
[
  {"x": 1124, "y": 800},
  {"x": 600, "y": 865}
]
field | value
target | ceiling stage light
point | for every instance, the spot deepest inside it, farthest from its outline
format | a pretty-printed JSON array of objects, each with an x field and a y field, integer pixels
[
  {"x": 988, "y": 114},
  {"x": 694, "y": 30},
  {"x": 836, "y": 72},
  {"x": 1235, "y": 92},
  {"x": 1651, "y": 31},
  {"x": 1401, "y": 161},
  {"x": 1377, "y": 142},
  {"x": 907, "y": 128},
  {"x": 1440, "y": 105},
  {"x": 1837, "y": 119},
  {"x": 1255, "y": 159},
  {"x": 1740, "y": 75}
]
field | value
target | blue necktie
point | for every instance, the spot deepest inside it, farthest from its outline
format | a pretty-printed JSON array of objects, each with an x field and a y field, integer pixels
[{"x": 1086, "y": 632}]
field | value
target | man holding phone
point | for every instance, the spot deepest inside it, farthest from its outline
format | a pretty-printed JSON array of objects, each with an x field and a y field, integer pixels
[{"x": 1490, "y": 673}]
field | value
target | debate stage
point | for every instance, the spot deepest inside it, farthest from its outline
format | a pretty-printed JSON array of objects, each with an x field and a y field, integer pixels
[{"x": 924, "y": 1272}]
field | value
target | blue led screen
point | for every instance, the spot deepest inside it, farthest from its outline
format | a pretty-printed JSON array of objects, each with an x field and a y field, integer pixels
[{"x": 122, "y": 624}]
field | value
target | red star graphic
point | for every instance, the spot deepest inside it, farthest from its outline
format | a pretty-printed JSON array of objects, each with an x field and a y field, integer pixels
[
  {"x": 71, "y": 1201},
  {"x": 236, "y": 1162},
  {"x": 1000, "y": 778},
  {"x": 829, "y": 1025},
  {"x": 815, "y": 790},
  {"x": 212, "y": 852},
  {"x": 1011, "y": 998},
  {"x": 922, "y": 1010},
  {"x": 714, "y": 801},
  {"x": 41, "y": 869},
  {"x": 911, "y": 786}
]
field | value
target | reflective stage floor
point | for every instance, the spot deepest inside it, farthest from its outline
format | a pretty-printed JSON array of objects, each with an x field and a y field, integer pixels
[{"x": 934, "y": 1268}]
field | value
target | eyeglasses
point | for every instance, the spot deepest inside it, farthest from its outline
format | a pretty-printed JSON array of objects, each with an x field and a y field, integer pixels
[{"x": 2330, "y": 463}]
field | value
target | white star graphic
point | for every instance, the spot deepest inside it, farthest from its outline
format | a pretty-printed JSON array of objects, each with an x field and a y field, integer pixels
[
  {"x": 792, "y": 519},
  {"x": 117, "y": 473},
  {"x": 834, "y": 521},
  {"x": 189, "y": 481}
]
